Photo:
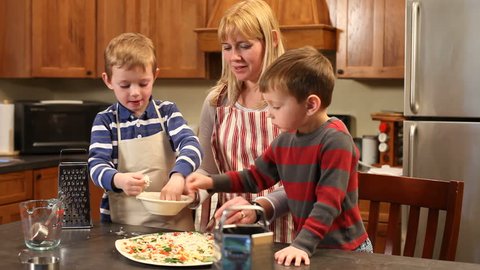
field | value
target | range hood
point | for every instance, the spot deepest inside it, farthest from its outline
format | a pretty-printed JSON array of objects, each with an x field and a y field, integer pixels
[{"x": 302, "y": 22}]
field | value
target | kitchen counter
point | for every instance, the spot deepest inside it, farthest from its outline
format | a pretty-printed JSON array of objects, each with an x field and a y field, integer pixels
[
  {"x": 31, "y": 162},
  {"x": 94, "y": 249}
]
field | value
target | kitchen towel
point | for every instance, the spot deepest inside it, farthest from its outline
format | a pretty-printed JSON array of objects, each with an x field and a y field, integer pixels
[{"x": 6, "y": 129}]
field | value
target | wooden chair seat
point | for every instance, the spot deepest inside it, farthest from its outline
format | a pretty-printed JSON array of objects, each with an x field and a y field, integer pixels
[{"x": 416, "y": 193}]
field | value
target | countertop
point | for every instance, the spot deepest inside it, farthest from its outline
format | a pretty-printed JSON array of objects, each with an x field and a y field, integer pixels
[
  {"x": 31, "y": 162},
  {"x": 94, "y": 249}
]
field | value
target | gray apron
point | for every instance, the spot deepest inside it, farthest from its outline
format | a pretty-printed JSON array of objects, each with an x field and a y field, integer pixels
[{"x": 154, "y": 157}]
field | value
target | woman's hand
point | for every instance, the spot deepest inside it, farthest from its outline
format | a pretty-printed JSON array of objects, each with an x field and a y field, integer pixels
[
  {"x": 236, "y": 217},
  {"x": 291, "y": 254},
  {"x": 131, "y": 183}
]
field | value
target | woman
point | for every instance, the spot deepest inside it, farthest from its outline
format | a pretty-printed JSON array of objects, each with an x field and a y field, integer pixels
[{"x": 234, "y": 127}]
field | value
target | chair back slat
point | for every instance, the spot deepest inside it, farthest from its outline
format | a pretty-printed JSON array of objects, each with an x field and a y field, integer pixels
[
  {"x": 393, "y": 228},
  {"x": 412, "y": 231},
  {"x": 413, "y": 192},
  {"x": 373, "y": 218},
  {"x": 430, "y": 233}
]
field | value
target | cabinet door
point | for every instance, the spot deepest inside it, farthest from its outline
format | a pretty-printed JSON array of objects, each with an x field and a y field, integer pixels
[
  {"x": 169, "y": 23},
  {"x": 14, "y": 188},
  {"x": 15, "y": 38},
  {"x": 371, "y": 38},
  {"x": 45, "y": 183},
  {"x": 63, "y": 38}
]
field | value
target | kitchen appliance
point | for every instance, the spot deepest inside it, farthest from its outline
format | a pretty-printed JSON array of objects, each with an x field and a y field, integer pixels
[
  {"x": 46, "y": 127},
  {"x": 441, "y": 105}
]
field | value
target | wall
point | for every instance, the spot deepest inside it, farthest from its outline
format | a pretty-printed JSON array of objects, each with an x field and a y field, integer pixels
[{"x": 357, "y": 98}]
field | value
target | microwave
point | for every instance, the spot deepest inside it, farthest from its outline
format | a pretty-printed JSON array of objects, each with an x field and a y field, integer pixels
[{"x": 46, "y": 127}]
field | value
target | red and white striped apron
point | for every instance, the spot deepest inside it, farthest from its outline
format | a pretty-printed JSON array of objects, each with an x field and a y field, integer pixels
[{"x": 239, "y": 137}]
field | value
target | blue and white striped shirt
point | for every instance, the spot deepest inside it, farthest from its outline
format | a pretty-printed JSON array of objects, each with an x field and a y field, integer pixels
[{"x": 103, "y": 152}]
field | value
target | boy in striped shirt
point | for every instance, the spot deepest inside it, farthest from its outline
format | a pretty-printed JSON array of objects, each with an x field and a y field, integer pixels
[
  {"x": 137, "y": 137},
  {"x": 314, "y": 157}
]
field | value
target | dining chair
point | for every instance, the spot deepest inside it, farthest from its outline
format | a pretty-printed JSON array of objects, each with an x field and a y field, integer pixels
[{"x": 416, "y": 193}]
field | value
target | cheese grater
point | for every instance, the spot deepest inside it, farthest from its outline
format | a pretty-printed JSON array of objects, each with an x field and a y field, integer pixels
[{"x": 73, "y": 185}]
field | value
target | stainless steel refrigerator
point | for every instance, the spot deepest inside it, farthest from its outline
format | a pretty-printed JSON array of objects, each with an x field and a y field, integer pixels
[{"x": 442, "y": 104}]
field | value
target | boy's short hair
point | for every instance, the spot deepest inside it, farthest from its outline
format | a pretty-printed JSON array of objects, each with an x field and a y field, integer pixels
[
  {"x": 130, "y": 50},
  {"x": 301, "y": 72}
]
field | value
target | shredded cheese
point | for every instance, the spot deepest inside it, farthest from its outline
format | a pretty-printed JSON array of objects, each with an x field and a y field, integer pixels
[
  {"x": 147, "y": 180},
  {"x": 171, "y": 248}
]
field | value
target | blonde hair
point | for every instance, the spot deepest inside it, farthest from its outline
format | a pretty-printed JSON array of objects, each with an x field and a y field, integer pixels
[
  {"x": 253, "y": 19},
  {"x": 300, "y": 73},
  {"x": 130, "y": 50}
]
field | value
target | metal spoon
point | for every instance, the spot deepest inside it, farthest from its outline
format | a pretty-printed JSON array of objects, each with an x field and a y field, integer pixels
[{"x": 38, "y": 230}]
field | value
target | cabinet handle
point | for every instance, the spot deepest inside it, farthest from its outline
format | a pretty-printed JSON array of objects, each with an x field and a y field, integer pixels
[
  {"x": 89, "y": 72},
  {"x": 38, "y": 177},
  {"x": 340, "y": 71}
]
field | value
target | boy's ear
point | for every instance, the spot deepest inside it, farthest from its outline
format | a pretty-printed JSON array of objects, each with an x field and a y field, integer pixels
[
  {"x": 157, "y": 72},
  {"x": 313, "y": 103},
  {"x": 107, "y": 81}
]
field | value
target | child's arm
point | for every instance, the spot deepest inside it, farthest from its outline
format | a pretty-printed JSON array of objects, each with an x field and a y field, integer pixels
[
  {"x": 100, "y": 161},
  {"x": 196, "y": 181},
  {"x": 291, "y": 254},
  {"x": 184, "y": 141}
]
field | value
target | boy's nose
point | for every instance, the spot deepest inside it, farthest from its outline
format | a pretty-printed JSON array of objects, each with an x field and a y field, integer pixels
[{"x": 135, "y": 90}]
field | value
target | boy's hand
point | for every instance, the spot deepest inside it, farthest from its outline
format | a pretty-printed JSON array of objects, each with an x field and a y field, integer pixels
[
  {"x": 196, "y": 181},
  {"x": 173, "y": 190},
  {"x": 131, "y": 183},
  {"x": 289, "y": 254}
]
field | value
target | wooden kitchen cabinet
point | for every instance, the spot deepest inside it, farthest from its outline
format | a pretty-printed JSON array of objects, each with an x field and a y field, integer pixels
[
  {"x": 45, "y": 183},
  {"x": 63, "y": 38},
  {"x": 15, "y": 187},
  {"x": 15, "y": 38},
  {"x": 370, "y": 38},
  {"x": 169, "y": 23}
]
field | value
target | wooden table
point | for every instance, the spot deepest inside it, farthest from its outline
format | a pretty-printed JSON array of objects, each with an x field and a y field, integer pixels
[{"x": 94, "y": 249}]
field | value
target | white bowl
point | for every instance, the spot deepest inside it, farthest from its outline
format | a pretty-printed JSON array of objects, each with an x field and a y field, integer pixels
[{"x": 151, "y": 201}]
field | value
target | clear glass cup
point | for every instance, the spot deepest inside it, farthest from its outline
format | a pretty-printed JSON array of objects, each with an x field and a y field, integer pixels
[{"x": 42, "y": 223}]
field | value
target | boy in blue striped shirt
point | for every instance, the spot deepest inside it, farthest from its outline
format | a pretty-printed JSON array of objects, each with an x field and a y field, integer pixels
[{"x": 139, "y": 136}]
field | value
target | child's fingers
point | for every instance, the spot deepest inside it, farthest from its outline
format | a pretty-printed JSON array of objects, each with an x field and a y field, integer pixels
[
  {"x": 298, "y": 260},
  {"x": 279, "y": 257},
  {"x": 306, "y": 260}
]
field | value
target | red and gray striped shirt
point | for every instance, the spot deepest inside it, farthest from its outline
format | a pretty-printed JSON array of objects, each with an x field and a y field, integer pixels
[{"x": 318, "y": 171}]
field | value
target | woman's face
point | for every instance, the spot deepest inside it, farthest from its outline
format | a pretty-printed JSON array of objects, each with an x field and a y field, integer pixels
[{"x": 244, "y": 56}]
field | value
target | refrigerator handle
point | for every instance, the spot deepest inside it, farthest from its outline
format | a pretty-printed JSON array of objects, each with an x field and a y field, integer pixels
[
  {"x": 413, "y": 63},
  {"x": 411, "y": 140}
]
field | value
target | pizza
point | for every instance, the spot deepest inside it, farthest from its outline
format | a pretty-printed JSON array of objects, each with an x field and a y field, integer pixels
[{"x": 172, "y": 248}]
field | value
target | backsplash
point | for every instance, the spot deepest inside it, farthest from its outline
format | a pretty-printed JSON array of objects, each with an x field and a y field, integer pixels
[{"x": 356, "y": 98}]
